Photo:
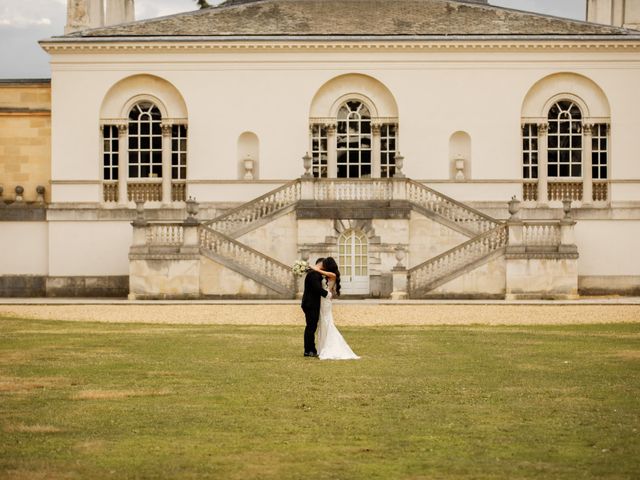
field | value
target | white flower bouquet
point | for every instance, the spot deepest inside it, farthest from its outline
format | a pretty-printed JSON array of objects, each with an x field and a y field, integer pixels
[{"x": 300, "y": 267}]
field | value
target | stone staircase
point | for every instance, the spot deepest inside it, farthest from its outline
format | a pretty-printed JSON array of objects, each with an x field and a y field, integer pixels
[
  {"x": 218, "y": 237},
  {"x": 465, "y": 257}
]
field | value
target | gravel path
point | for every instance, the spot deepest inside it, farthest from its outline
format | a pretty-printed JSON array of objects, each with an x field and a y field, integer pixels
[{"x": 345, "y": 314}]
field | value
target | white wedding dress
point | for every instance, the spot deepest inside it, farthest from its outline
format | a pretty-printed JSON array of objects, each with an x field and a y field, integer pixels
[{"x": 331, "y": 344}]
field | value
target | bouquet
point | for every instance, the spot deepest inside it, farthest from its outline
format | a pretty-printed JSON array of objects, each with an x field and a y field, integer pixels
[{"x": 300, "y": 267}]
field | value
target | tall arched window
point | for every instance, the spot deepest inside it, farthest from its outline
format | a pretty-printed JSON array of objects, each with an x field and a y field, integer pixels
[
  {"x": 354, "y": 140},
  {"x": 145, "y": 141},
  {"x": 565, "y": 140},
  {"x": 353, "y": 259}
]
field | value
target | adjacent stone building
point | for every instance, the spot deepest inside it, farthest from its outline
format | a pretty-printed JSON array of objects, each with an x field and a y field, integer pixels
[{"x": 436, "y": 148}]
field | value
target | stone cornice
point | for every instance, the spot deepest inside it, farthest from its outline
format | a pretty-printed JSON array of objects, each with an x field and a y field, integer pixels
[{"x": 628, "y": 43}]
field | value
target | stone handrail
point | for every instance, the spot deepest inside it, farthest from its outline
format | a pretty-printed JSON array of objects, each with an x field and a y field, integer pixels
[
  {"x": 541, "y": 234},
  {"x": 452, "y": 210},
  {"x": 253, "y": 211},
  {"x": 165, "y": 234},
  {"x": 426, "y": 275},
  {"x": 255, "y": 264},
  {"x": 349, "y": 189}
]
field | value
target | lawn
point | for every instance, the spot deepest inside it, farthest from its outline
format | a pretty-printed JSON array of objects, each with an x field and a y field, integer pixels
[{"x": 90, "y": 400}]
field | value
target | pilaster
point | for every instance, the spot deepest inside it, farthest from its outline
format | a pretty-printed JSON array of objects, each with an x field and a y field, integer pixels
[
  {"x": 376, "y": 170},
  {"x": 543, "y": 158},
  {"x": 166, "y": 163},
  {"x": 123, "y": 170},
  {"x": 587, "y": 161},
  {"x": 332, "y": 154}
]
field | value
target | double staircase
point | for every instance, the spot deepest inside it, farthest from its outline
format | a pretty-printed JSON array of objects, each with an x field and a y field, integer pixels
[{"x": 218, "y": 238}]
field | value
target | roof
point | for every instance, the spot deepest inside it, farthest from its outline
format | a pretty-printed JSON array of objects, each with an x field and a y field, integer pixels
[
  {"x": 294, "y": 18},
  {"x": 24, "y": 81}
]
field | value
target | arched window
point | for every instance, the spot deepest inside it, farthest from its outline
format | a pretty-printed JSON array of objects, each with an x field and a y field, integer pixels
[
  {"x": 145, "y": 141},
  {"x": 565, "y": 140},
  {"x": 353, "y": 259},
  {"x": 354, "y": 140}
]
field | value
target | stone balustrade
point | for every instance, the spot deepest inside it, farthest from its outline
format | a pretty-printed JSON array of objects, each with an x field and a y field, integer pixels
[
  {"x": 110, "y": 191},
  {"x": 530, "y": 191},
  {"x": 600, "y": 191},
  {"x": 248, "y": 214},
  {"x": 164, "y": 234},
  {"x": 178, "y": 191},
  {"x": 452, "y": 210},
  {"x": 352, "y": 190},
  {"x": 426, "y": 276},
  {"x": 541, "y": 234},
  {"x": 147, "y": 191},
  {"x": 255, "y": 264},
  {"x": 565, "y": 190}
]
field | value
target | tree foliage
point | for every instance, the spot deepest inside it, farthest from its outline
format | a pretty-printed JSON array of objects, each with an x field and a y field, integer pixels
[{"x": 203, "y": 3}]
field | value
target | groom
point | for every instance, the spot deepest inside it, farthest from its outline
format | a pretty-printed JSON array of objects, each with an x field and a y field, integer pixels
[{"x": 311, "y": 307}]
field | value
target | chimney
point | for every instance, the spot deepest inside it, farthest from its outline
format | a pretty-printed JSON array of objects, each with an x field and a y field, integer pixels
[
  {"x": 83, "y": 14},
  {"x": 619, "y": 13},
  {"x": 120, "y": 11}
]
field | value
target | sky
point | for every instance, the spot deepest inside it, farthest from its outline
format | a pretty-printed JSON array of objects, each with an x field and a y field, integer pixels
[{"x": 24, "y": 22}]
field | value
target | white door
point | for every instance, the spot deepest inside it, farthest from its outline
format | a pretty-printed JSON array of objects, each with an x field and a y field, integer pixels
[{"x": 353, "y": 261}]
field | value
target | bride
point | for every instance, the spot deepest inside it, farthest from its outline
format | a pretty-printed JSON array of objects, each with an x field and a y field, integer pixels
[{"x": 331, "y": 344}]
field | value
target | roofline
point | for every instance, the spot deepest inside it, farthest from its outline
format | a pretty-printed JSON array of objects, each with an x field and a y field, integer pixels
[
  {"x": 24, "y": 81},
  {"x": 631, "y": 36}
]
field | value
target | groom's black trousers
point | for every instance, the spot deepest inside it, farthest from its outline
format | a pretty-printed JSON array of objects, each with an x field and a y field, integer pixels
[{"x": 311, "y": 316}]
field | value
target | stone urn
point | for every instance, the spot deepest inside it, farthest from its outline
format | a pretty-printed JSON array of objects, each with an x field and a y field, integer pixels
[
  {"x": 248, "y": 168},
  {"x": 566, "y": 208},
  {"x": 192, "y": 211},
  {"x": 459, "y": 163},
  {"x": 514, "y": 206}
]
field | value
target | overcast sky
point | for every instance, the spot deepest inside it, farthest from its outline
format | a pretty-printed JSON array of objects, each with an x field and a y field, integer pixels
[{"x": 24, "y": 22}]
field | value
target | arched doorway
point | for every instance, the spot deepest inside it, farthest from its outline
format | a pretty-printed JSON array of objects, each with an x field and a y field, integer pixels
[{"x": 353, "y": 259}]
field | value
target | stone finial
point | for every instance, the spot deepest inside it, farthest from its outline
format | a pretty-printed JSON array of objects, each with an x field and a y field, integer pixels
[
  {"x": 399, "y": 165},
  {"x": 192, "y": 211},
  {"x": 400, "y": 254},
  {"x": 514, "y": 208},
  {"x": 40, "y": 194},
  {"x": 19, "y": 193},
  {"x": 566, "y": 208},
  {"x": 140, "y": 220},
  {"x": 306, "y": 163}
]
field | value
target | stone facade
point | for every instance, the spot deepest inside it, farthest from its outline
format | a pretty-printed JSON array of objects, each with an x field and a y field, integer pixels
[{"x": 25, "y": 138}]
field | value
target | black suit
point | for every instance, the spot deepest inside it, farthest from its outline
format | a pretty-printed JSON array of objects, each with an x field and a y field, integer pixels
[{"x": 311, "y": 307}]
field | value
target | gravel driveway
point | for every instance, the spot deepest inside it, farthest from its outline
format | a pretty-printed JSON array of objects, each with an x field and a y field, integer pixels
[{"x": 352, "y": 314}]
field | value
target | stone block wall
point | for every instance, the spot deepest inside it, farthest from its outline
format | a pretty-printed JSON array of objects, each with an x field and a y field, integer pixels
[{"x": 25, "y": 137}]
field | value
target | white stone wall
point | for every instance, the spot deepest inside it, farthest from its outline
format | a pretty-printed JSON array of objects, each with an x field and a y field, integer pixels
[
  {"x": 542, "y": 278},
  {"x": 89, "y": 248},
  {"x": 429, "y": 239},
  {"x": 164, "y": 278},
  {"x": 219, "y": 281},
  {"x": 437, "y": 93},
  {"x": 277, "y": 239},
  {"x": 24, "y": 248},
  {"x": 486, "y": 280}
]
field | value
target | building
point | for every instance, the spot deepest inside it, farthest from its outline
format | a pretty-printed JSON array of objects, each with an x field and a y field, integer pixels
[{"x": 391, "y": 135}]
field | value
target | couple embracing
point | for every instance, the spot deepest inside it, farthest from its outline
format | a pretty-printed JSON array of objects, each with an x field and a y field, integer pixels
[{"x": 321, "y": 286}]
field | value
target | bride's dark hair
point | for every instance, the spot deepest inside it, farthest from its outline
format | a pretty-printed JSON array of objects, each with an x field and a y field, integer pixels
[{"x": 329, "y": 264}]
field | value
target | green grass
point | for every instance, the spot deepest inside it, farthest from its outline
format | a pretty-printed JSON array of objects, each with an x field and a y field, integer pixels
[{"x": 88, "y": 400}]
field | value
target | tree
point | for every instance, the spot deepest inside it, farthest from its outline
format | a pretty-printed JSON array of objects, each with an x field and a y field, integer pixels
[{"x": 203, "y": 3}]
